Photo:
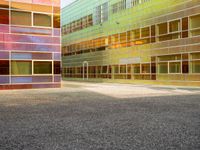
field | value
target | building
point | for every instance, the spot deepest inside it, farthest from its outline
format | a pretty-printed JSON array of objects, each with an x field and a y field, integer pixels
[
  {"x": 145, "y": 41},
  {"x": 30, "y": 50}
]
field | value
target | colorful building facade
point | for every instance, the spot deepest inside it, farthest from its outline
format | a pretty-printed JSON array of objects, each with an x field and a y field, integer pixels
[
  {"x": 30, "y": 50},
  {"x": 148, "y": 41}
]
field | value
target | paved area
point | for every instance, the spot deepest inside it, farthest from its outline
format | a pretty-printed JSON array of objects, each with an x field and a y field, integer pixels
[{"x": 88, "y": 116}]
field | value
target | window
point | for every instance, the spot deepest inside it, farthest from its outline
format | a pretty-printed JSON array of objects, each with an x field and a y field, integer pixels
[
  {"x": 21, "y": 67},
  {"x": 195, "y": 56},
  {"x": 185, "y": 27},
  {"x": 116, "y": 69},
  {"x": 56, "y": 67},
  {"x": 145, "y": 32},
  {"x": 136, "y": 68},
  {"x": 185, "y": 67},
  {"x": 121, "y": 5},
  {"x": 56, "y": 21},
  {"x": 145, "y": 68},
  {"x": 195, "y": 25},
  {"x": 123, "y": 69},
  {"x": 136, "y": 34},
  {"x": 4, "y": 17},
  {"x": 174, "y": 26},
  {"x": 4, "y": 67},
  {"x": 195, "y": 66},
  {"x": 21, "y": 18},
  {"x": 122, "y": 37},
  {"x": 42, "y": 67},
  {"x": 169, "y": 57},
  {"x": 163, "y": 67},
  {"x": 101, "y": 13},
  {"x": 135, "y": 2},
  {"x": 42, "y": 20},
  {"x": 162, "y": 28},
  {"x": 104, "y": 69},
  {"x": 175, "y": 67}
]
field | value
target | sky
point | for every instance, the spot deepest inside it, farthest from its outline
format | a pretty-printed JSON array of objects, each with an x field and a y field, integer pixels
[{"x": 66, "y": 2}]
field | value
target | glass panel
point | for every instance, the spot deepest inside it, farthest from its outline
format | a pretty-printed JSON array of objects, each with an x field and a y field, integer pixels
[
  {"x": 185, "y": 23},
  {"x": 174, "y": 67},
  {"x": 4, "y": 79},
  {"x": 28, "y": 30},
  {"x": 123, "y": 69},
  {"x": 145, "y": 32},
  {"x": 56, "y": 67},
  {"x": 56, "y": 21},
  {"x": 4, "y": 67},
  {"x": 4, "y": 55},
  {"x": 41, "y": 67},
  {"x": 163, "y": 68},
  {"x": 195, "y": 66},
  {"x": 21, "y": 67},
  {"x": 42, "y": 79},
  {"x": 57, "y": 78},
  {"x": 104, "y": 69},
  {"x": 185, "y": 67},
  {"x": 4, "y": 16},
  {"x": 42, "y": 56},
  {"x": 123, "y": 37},
  {"x": 21, "y": 6},
  {"x": 21, "y": 56},
  {"x": 136, "y": 69},
  {"x": 4, "y": 3},
  {"x": 195, "y": 56},
  {"x": 174, "y": 26},
  {"x": 20, "y": 18},
  {"x": 145, "y": 68},
  {"x": 169, "y": 57},
  {"x": 116, "y": 69},
  {"x": 21, "y": 79},
  {"x": 42, "y": 20},
  {"x": 195, "y": 22},
  {"x": 162, "y": 28}
]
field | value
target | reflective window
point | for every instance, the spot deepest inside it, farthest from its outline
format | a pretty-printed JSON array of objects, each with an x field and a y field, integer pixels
[
  {"x": 136, "y": 68},
  {"x": 21, "y": 18},
  {"x": 42, "y": 67},
  {"x": 4, "y": 16},
  {"x": 195, "y": 25},
  {"x": 195, "y": 66},
  {"x": 42, "y": 20},
  {"x": 163, "y": 67},
  {"x": 4, "y": 67},
  {"x": 21, "y": 67},
  {"x": 162, "y": 28},
  {"x": 175, "y": 67},
  {"x": 56, "y": 21},
  {"x": 4, "y": 4},
  {"x": 56, "y": 67}
]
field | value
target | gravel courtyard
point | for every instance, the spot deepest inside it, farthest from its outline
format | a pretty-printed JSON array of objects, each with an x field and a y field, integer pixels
[{"x": 89, "y": 116}]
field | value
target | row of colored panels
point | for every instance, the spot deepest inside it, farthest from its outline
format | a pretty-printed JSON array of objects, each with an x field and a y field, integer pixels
[
  {"x": 31, "y": 7},
  {"x": 5, "y": 37},
  {"x": 27, "y": 56},
  {"x": 5, "y": 3},
  {"x": 29, "y": 86},
  {"x": 28, "y": 79},
  {"x": 28, "y": 18},
  {"x": 29, "y": 30},
  {"x": 29, "y": 47}
]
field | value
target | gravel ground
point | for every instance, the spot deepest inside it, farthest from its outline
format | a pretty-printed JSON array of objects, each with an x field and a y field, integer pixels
[{"x": 88, "y": 116}]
